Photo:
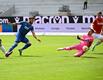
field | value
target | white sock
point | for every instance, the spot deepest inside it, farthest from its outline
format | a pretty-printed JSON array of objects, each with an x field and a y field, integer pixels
[{"x": 3, "y": 49}]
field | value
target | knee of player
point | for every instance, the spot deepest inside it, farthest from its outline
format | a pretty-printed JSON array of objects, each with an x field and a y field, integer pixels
[
  {"x": 29, "y": 44},
  {"x": 15, "y": 44},
  {"x": 85, "y": 48}
]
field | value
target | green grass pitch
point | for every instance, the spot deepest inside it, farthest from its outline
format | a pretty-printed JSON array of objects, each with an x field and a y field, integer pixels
[{"x": 42, "y": 62}]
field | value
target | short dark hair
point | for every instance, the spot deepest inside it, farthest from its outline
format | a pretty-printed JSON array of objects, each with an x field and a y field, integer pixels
[
  {"x": 99, "y": 13},
  {"x": 32, "y": 17}
]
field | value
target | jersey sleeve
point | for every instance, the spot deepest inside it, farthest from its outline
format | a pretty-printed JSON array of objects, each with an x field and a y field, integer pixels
[{"x": 21, "y": 22}]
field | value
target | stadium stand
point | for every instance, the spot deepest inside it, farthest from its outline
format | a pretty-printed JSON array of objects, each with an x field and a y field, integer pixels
[
  {"x": 64, "y": 10},
  {"x": 7, "y": 10},
  {"x": 51, "y": 7}
]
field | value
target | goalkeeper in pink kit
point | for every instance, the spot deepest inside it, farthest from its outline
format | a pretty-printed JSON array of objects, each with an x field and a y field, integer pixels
[{"x": 83, "y": 46}]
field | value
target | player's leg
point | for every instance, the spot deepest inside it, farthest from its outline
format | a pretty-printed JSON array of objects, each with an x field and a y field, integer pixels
[
  {"x": 27, "y": 44},
  {"x": 2, "y": 47},
  {"x": 25, "y": 47},
  {"x": 11, "y": 49},
  {"x": 18, "y": 39},
  {"x": 96, "y": 44},
  {"x": 60, "y": 49},
  {"x": 13, "y": 46},
  {"x": 100, "y": 37},
  {"x": 79, "y": 53},
  {"x": 66, "y": 48},
  {"x": 69, "y": 48}
]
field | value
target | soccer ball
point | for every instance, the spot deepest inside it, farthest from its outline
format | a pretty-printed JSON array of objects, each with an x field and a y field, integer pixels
[{"x": 85, "y": 48}]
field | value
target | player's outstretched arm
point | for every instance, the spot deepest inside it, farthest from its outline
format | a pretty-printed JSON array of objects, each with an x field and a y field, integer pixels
[
  {"x": 78, "y": 37},
  {"x": 81, "y": 39},
  {"x": 102, "y": 31},
  {"x": 33, "y": 33}
]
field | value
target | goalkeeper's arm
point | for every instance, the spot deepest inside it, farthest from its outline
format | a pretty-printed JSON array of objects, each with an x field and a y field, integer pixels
[
  {"x": 78, "y": 37},
  {"x": 81, "y": 39}
]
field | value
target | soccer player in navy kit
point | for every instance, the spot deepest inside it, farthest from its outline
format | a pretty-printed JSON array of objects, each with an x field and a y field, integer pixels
[{"x": 21, "y": 36}]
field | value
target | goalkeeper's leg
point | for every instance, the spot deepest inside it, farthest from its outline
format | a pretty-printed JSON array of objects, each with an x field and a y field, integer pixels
[{"x": 79, "y": 53}]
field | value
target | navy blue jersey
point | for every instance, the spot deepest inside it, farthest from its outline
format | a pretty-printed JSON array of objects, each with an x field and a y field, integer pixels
[{"x": 25, "y": 28}]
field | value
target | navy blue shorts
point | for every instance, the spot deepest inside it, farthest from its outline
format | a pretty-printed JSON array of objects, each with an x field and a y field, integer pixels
[{"x": 21, "y": 39}]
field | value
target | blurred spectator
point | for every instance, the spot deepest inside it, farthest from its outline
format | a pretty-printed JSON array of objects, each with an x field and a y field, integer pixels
[
  {"x": 64, "y": 10},
  {"x": 85, "y": 4},
  {"x": 34, "y": 13}
]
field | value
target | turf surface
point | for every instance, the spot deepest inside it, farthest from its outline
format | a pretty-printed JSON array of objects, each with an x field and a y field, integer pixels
[{"x": 42, "y": 62}]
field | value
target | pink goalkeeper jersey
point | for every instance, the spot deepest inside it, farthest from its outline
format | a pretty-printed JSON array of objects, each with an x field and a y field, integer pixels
[{"x": 88, "y": 40}]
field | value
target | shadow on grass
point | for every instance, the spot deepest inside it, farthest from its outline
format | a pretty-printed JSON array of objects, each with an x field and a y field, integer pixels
[
  {"x": 98, "y": 53},
  {"x": 2, "y": 58},
  {"x": 65, "y": 56},
  {"x": 88, "y": 57},
  {"x": 82, "y": 57},
  {"x": 30, "y": 56}
]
